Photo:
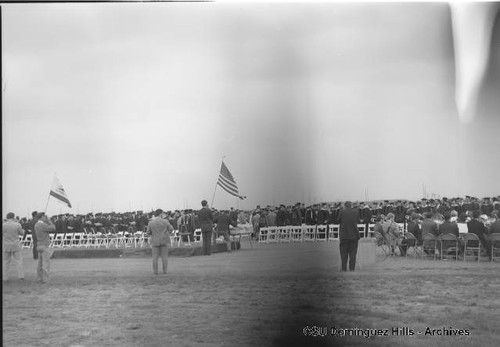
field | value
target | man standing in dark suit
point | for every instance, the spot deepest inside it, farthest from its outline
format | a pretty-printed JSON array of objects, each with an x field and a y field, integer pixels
[
  {"x": 206, "y": 224},
  {"x": 32, "y": 223},
  {"x": 280, "y": 216},
  {"x": 223, "y": 222},
  {"x": 348, "y": 235}
]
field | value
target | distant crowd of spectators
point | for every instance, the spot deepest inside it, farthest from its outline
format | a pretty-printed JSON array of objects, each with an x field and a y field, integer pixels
[
  {"x": 282, "y": 215},
  {"x": 371, "y": 212}
]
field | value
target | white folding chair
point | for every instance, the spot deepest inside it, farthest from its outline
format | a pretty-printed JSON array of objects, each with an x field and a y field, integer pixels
[
  {"x": 138, "y": 239},
  {"x": 322, "y": 233},
  {"x": 67, "y": 240},
  {"x": 198, "y": 236},
  {"x": 77, "y": 240},
  {"x": 263, "y": 235},
  {"x": 296, "y": 233},
  {"x": 333, "y": 234},
  {"x": 28, "y": 241},
  {"x": 362, "y": 230},
  {"x": 52, "y": 238},
  {"x": 273, "y": 235},
  {"x": 310, "y": 233},
  {"x": 114, "y": 240},
  {"x": 371, "y": 230},
  {"x": 284, "y": 233},
  {"x": 58, "y": 241},
  {"x": 175, "y": 239}
]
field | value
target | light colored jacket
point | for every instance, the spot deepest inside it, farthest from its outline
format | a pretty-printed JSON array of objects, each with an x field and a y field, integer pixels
[
  {"x": 159, "y": 229},
  {"x": 11, "y": 231},
  {"x": 42, "y": 231}
]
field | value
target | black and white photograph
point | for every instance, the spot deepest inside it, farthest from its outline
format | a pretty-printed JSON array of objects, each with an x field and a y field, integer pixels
[{"x": 250, "y": 173}]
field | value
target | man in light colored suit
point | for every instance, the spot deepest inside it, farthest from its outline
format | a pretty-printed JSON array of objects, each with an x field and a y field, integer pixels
[
  {"x": 43, "y": 228},
  {"x": 159, "y": 229},
  {"x": 12, "y": 250}
]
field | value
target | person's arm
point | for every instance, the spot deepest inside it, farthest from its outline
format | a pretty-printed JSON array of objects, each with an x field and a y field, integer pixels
[
  {"x": 170, "y": 228},
  {"x": 48, "y": 226},
  {"x": 20, "y": 230}
]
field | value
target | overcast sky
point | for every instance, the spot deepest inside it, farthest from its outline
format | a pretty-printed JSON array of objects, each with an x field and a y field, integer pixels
[{"x": 134, "y": 105}]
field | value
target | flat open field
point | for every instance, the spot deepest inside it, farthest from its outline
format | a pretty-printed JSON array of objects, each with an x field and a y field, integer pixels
[{"x": 269, "y": 295}]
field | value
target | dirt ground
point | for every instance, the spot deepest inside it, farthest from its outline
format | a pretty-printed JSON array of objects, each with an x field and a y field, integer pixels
[{"x": 271, "y": 295}]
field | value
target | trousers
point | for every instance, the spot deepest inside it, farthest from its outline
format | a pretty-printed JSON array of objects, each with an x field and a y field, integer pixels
[
  {"x": 157, "y": 252},
  {"x": 17, "y": 258},
  {"x": 207, "y": 242},
  {"x": 43, "y": 265},
  {"x": 348, "y": 250}
]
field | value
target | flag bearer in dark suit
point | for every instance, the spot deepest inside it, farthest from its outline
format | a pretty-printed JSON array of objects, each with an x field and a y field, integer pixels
[
  {"x": 348, "y": 236},
  {"x": 33, "y": 234},
  {"x": 207, "y": 225}
]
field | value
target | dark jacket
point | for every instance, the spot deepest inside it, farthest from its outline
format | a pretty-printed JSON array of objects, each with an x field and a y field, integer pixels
[
  {"x": 476, "y": 227},
  {"x": 349, "y": 220},
  {"x": 414, "y": 228},
  {"x": 449, "y": 228},
  {"x": 206, "y": 219},
  {"x": 223, "y": 220}
]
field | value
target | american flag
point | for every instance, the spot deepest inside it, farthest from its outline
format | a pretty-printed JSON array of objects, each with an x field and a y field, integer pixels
[{"x": 227, "y": 182}]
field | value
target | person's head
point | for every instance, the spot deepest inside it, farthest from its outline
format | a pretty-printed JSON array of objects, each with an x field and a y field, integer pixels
[
  {"x": 11, "y": 215},
  {"x": 462, "y": 217},
  {"x": 476, "y": 214},
  {"x": 428, "y": 215},
  {"x": 41, "y": 216},
  {"x": 204, "y": 203},
  {"x": 494, "y": 214},
  {"x": 453, "y": 213},
  {"x": 447, "y": 216},
  {"x": 347, "y": 204},
  {"x": 414, "y": 217},
  {"x": 390, "y": 216},
  {"x": 158, "y": 212},
  {"x": 33, "y": 214}
]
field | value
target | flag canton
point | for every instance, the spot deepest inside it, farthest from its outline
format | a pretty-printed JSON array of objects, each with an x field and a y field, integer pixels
[{"x": 225, "y": 172}]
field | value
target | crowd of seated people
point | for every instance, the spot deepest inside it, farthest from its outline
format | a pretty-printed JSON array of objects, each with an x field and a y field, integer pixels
[
  {"x": 426, "y": 213},
  {"x": 438, "y": 225},
  {"x": 435, "y": 216}
]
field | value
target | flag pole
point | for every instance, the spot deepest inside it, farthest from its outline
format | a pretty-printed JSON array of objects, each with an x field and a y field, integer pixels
[
  {"x": 213, "y": 197},
  {"x": 46, "y": 205}
]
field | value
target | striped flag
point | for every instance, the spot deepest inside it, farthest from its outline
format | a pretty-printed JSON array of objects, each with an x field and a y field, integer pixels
[
  {"x": 227, "y": 182},
  {"x": 57, "y": 191}
]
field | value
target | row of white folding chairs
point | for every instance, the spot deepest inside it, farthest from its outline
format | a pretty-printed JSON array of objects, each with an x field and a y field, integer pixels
[
  {"x": 314, "y": 233},
  {"x": 119, "y": 240}
]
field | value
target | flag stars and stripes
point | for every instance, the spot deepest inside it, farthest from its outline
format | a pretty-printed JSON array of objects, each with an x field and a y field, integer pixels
[{"x": 227, "y": 182}]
